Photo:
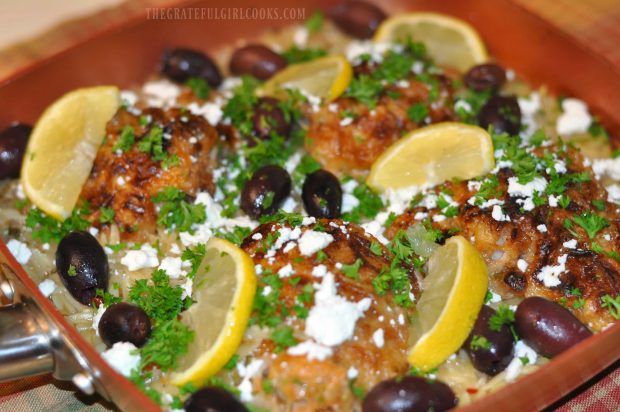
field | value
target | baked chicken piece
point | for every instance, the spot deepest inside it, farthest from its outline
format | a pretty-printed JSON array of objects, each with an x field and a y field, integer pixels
[
  {"x": 315, "y": 290},
  {"x": 142, "y": 155},
  {"x": 566, "y": 249}
]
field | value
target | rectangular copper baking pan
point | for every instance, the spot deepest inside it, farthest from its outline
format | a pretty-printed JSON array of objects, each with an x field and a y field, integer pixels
[{"x": 128, "y": 54}]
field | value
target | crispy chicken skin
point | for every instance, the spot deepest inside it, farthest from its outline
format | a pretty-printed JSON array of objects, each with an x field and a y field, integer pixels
[
  {"x": 350, "y": 149},
  {"x": 126, "y": 181},
  {"x": 503, "y": 243},
  {"x": 301, "y": 384}
]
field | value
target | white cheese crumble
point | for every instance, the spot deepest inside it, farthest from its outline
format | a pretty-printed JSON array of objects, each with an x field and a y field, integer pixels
[
  {"x": 613, "y": 193},
  {"x": 319, "y": 271},
  {"x": 378, "y": 338},
  {"x": 570, "y": 244},
  {"x": 499, "y": 215},
  {"x": 19, "y": 250},
  {"x": 607, "y": 167},
  {"x": 247, "y": 373},
  {"x": 123, "y": 357},
  {"x": 210, "y": 111},
  {"x": 286, "y": 271},
  {"x": 516, "y": 366},
  {"x": 529, "y": 106},
  {"x": 312, "y": 241},
  {"x": 542, "y": 228},
  {"x": 172, "y": 266},
  {"x": 47, "y": 287},
  {"x": 312, "y": 350},
  {"x": 352, "y": 373},
  {"x": 300, "y": 37},
  {"x": 332, "y": 319},
  {"x": 550, "y": 275},
  {"x": 161, "y": 93},
  {"x": 574, "y": 118},
  {"x": 145, "y": 257},
  {"x": 522, "y": 265},
  {"x": 525, "y": 192}
]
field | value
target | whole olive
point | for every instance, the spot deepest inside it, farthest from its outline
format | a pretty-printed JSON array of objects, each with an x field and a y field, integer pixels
[
  {"x": 322, "y": 194},
  {"x": 357, "y": 18},
  {"x": 265, "y": 191},
  {"x": 256, "y": 60},
  {"x": 548, "y": 327},
  {"x": 495, "y": 356},
  {"x": 269, "y": 118},
  {"x": 13, "y": 141},
  {"x": 180, "y": 65},
  {"x": 487, "y": 76},
  {"x": 122, "y": 322},
  {"x": 409, "y": 394},
  {"x": 82, "y": 265},
  {"x": 213, "y": 399},
  {"x": 501, "y": 112}
]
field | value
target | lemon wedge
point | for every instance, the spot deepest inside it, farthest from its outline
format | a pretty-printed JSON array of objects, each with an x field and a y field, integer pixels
[
  {"x": 327, "y": 78},
  {"x": 63, "y": 146},
  {"x": 224, "y": 289},
  {"x": 452, "y": 295},
  {"x": 431, "y": 155},
  {"x": 449, "y": 41}
]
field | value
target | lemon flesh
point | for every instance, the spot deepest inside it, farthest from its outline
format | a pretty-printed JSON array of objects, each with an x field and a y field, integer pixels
[
  {"x": 449, "y": 41},
  {"x": 431, "y": 155},
  {"x": 63, "y": 145},
  {"x": 452, "y": 295},
  {"x": 327, "y": 78},
  {"x": 224, "y": 288}
]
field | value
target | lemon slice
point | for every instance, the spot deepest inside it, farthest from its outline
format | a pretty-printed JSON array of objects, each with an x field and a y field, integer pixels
[
  {"x": 327, "y": 78},
  {"x": 63, "y": 146},
  {"x": 449, "y": 41},
  {"x": 224, "y": 289},
  {"x": 452, "y": 295},
  {"x": 431, "y": 155}
]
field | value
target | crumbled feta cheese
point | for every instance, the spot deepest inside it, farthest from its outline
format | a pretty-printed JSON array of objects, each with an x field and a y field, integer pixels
[
  {"x": 93, "y": 231},
  {"x": 352, "y": 373},
  {"x": 495, "y": 298},
  {"x": 210, "y": 111},
  {"x": 308, "y": 220},
  {"x": 378, "y": 338},
  {"x": 607, "y": 167},
  {"x": 19, "y": 250},
  {"x": 550, "y": 275},
  {"x": 312, "y": 241},
  {"x": 47, "y": 287},
  {"x": 346, "y": 121},
  {"x": 129, "y": 97},
  {"x": 172, "y": 266},
  {"x": 247, "y": 373},
  {"x": 376, "y": 229},
  {"x": 257, "y": 236},
  {"x": 499, "y": 215},
  {"x": 357, "y": 48},
  {"x": 145, "y": 257},
  {"x": 289, "y": 205},
  {"x": 300, "y": 37},
  {"x": 525, "y": 192},
  {"x": 542, "y": 228},
  {"x": 516, "y": 366},
  {"x": 529, "y": 106},
  {"x": 311, "y": 349},
  {"x": 613, "y": 193},
  {"x": 570, "y": 244},
  {"x": 123, "y": 357},
  {"x": 319, "y": 271},
  {"x": 286, "y": 271},
  {"x": 161, "y": 93},
  {"x": 462, "y": 105},
  {"x": 574, "y": 118},
  {"x": 187, "y": 287},
  {"x": 522, "y": 265},
  {"x": 332, "y": 319},
  {"x": 120, "y": 181}
]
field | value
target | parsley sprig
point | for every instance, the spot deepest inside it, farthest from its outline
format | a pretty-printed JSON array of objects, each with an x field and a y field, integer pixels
[{"x": 175, "y": 212}]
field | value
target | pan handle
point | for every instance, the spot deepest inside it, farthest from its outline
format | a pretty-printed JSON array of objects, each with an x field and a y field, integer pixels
[{"x": 30, "y": 341}]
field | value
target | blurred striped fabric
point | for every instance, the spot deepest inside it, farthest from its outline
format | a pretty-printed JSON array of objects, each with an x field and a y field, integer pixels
[{"x": 596, "y": 23}]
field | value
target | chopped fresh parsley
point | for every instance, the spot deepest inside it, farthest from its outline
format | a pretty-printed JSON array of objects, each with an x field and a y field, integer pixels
[
  {"x": 612, "y": 305},
  {"x": 170, "y": 161},
  {"x": 72, "y": 271},
  {"x": 306, "y": 165},
  {"x": 240, "y": 108},
  {"x": 357, "y": 391},
  {"x": 169, "y": 340},
  {"x": 365, "y": 89},
  {"x": 296, "y": 54},
  {"x": 591, "y": 223},
  {"x": 153, "y": 143},
  {"x": 106, "y": 215},
  {"x": 599, "y": 204},
  {"x": 376, "y": 249},
  {"x": 175, "y": 212},
  {"x": 353, "y": 270},
  {"x": 283, "y": 338},
  {"x": 596, "y": 129},
  {"x": 126, "y": 140},
  {"x": 195, "y": 256},
  {"x": 503, "y": 316},
  {"x": 417, "y": 112},
  {"x": 479, "y": 342},
  {"x": 232, "y": 362},
  {"x": 236, "y": 235},
  {"x": 315, "y": 21},
  {"x": 107, "y": 298},
  {"x": 158, "y": 298},
  {"x": 370, "y": 204},
  {"x": 395, "y": 277},
  {"x": 199, "y": 87},
  {"x": 45, "y": 228}
]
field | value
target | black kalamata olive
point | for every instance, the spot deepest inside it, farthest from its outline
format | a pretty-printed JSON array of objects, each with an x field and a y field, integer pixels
[
  {"x": 496, "y": 357},
  {"x": 357, "y": 18},
  {"x": 256, "y": 60},
  {"x": 213, "y": 399},
  {"x": 501, "y": 112},
  {"x": 322, "y": 195},
  {"x": 487, "y": 76},
  {"x": 548, "y": 327},
  {"x": 182, "y": 64},
  {"x": 263, "y": 194},
  {"x": 82, "y": 265},
  {"x": 123, "y": 322},
  {"x": 268, "y": 118},
  {"x": 13, "y": 141},
  {"x": 409, "y": 394}
]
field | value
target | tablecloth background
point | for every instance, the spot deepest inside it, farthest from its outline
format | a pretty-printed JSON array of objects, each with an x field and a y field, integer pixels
[{"x": 596, "y": 22}]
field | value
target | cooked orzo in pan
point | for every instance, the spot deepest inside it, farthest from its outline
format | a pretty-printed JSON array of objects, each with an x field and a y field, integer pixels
[{"x": 357, "y": 213}]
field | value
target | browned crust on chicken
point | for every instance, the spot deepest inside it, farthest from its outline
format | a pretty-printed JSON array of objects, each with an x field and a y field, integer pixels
[
  {"x": 503, "y": 243},
  {"x": 312, "y": 385},
  {"x": 351, "y": 149},
  {"x": 126, "y": 181}
]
